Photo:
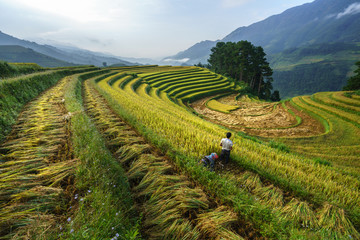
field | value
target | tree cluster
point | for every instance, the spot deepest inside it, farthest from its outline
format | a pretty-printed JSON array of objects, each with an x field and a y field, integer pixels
[
  {"x": 354, "y": 82},
  {"x": 244, "y": 62}
]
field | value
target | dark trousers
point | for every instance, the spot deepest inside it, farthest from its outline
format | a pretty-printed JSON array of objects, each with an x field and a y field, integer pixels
[
  {"x": 208, "y": 163},
  {"x": 225, "y": 155}
]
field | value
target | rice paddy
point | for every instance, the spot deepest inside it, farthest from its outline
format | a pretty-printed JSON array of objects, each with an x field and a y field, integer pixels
[
  {"x": 114, "y": 154},
  {"x": 37, "y": 166},
  {"x": 173, "y": 207}
]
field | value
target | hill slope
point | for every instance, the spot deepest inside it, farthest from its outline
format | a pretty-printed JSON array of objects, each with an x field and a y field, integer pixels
[
  {"x": 73, "y": 55},
  {"x": 321, "y": 21},
  {"x": 13, "y": 53},
  {"x": 310, "y": 28},
  {"x": 313, "y": 68}
]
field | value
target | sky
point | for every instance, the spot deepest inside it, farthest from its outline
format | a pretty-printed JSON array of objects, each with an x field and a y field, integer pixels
[{"x": 133, "y": 28}]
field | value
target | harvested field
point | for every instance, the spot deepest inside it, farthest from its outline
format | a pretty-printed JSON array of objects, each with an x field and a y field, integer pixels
[{"x": 270, "y": 120}]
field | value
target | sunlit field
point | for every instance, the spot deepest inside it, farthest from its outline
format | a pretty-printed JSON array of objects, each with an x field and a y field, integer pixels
[{"x": 113, "y": 153}]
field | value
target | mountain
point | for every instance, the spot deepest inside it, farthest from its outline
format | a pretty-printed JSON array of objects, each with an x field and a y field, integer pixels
[
  {"x": 15, "y": 53},
  {"x": 322, "y": 21},
  {"x": 66, "y": 54},
  {"x": 313, "y": 68},
  {"x": 143, "y": 61},
  {"x": 304, "y": 44},
  {"x": 195, "y": 54}
]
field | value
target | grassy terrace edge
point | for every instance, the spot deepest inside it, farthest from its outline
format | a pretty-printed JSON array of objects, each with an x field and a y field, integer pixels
[
  {"x": 209, "y": 180},
  {"x": 300, "y": 190},
  {"x": 273, "y": 226},
  {"x": 16, "y": 92},
  {"x": 103, "y": 191}
]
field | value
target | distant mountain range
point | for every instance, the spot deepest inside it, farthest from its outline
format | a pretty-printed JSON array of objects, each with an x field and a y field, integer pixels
[
  {"x": 311, "y": 48},
  {"x": 322, "y": 21},
  {"x": 66, "y": 55},
  {"x": 15, "y": 53},
  {"x": 295, "y": 42}
]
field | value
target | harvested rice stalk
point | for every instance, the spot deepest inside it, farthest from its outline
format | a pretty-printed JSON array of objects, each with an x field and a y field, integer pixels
[
  {"x": 216, "y": 223},
  {"x": 301, "y": 213},
  {"x": 271, "y": 195},
  {"x": 37, "y": 159},
  {"x": 170, "y": 205},
  {"x": 334, "y": 222}
]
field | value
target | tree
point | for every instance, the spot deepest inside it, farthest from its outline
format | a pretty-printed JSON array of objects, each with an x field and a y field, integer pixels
[
  {"x": 353, "y": 83},
  {"x": 275, "y": 96},
  {"x": 201, "y": 65},
  {"x": 244, "y": 62},
  {"x": 5, "y": 70}
]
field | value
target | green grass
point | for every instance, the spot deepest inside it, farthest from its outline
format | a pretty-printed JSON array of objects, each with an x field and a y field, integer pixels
[
  {"x": 185, "y": 87},
  {"x": 16, "y": 92},
  {"x": 261, "y": 198},
  {"x": 224, "y": 187},
  {"x": 37, "y": 172},
  {"x": 272, "y": 165},
  {"x": 338, "y": 145},
  {"x": 166, "y": 197},
  {"x": 14, "y": 69},
  {"x": 102, "y": 188},
  {"x": 149, "y": 77},
  {"x": 220, "y": 107},
  {"x": 173, "y": 79},
  {"x": 188, "y": 84}
]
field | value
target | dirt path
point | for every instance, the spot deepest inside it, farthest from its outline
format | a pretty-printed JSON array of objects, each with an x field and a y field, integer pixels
[{"x": 263, "y": 119}]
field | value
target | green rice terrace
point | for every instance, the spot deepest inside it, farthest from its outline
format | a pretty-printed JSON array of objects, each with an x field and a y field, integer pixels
[{"x": 113, "y": 153}]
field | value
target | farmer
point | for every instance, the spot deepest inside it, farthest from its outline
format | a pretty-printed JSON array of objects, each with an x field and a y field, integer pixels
[
  {"x": 226, "y": 145},
  {"x": 209, "y": 161}
]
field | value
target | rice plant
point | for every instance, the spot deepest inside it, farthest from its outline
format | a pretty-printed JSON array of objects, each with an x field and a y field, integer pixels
[
  {"x": 173, "y": 127},
  {"x": 301, "y": 213},
  {"x": 37, "y": 165},
  {"x": 170, "y": 202},
  {"x": 334, "y": 223}
]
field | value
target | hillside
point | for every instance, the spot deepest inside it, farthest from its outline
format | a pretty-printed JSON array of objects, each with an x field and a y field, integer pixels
[
  {"x": 130, "y": 149},
  {"x": 322, "y": 22},
  {"x": 195, "y": 54},
  {"x": 18, "y": 54},
  {"x": 313, "y": 68},
  {"x": 67, "y": 54}
]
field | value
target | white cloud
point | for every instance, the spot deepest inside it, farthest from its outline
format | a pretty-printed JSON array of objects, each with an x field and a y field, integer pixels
[
  {"x": 176, "y": 60},
  {"x": 352, "y": 9},
  {"x": 233, "y": 3},
  {"x": 85, "y": 11},
  {"x": 138, "y": 28}
]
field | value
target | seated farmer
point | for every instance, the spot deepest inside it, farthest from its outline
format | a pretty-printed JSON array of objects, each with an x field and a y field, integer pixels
[
  {"x": 209, "y": 161},
  {"x": 226, "y": 145}
]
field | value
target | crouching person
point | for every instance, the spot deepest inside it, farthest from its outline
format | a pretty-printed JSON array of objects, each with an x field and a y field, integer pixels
[{"x": 209, "y": 161}]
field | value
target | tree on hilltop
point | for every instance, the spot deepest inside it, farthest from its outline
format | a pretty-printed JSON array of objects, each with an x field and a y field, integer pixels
[{"x": 244, "y": 62}]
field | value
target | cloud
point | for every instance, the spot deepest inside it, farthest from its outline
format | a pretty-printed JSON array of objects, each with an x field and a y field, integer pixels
[
  {"x": 184, "y": 60},
  {"x": 91, "y": 11},
  {"x": 233, "y": 3},
  {"x": 352, "y": 9},
  {"x": 138, "y": 28}
]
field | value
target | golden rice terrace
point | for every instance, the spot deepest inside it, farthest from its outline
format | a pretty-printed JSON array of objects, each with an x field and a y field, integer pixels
[{"x": 113, "y": 153}]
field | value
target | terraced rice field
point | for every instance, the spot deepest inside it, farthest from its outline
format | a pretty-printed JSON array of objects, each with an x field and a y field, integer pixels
[
  {"x": 324, "y": 126},
  {"x": 38, "y": 163},
  {"x": 340, "y": 143},
  {"x": 173, "y": 207},
  {"x": 122, "y": 162}
]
